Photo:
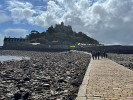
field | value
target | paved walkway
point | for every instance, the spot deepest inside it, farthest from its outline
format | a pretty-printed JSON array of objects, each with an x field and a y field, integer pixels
[
  {"x": 109, "y": 81},
  {"x": 106, "y": 80}
]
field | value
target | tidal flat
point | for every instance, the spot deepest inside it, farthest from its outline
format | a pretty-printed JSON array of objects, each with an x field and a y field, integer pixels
[
  {"x": 123, "y": 59},
  {"x": 45, "y": 76}
]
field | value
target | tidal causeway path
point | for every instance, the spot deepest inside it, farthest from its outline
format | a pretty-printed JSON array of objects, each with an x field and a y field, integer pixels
[{"x": 106, "y": 80}]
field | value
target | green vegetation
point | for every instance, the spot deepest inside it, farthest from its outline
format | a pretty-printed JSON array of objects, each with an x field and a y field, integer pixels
[{"x": 60, "y": 33}]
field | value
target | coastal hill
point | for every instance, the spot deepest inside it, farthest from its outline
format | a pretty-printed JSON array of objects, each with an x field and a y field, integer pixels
[{"x": 60, "y": 33}]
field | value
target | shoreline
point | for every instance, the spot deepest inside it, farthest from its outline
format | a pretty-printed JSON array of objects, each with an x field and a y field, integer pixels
[{"x": 47, "y": 75}]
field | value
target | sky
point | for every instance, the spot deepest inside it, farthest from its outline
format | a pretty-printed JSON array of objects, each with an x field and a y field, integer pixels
[{"x": 108, "y": 21}]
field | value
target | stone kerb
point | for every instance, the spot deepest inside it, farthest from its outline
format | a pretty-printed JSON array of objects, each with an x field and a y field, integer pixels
[{"x": 82, "y": 90}]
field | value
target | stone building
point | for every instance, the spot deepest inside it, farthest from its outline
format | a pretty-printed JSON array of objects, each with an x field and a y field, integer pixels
[
  {"x": 14, "y": 41},
  {"x": 62, "y": 28}
]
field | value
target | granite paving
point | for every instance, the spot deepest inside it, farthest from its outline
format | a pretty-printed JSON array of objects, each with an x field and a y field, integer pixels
[{"x": 109, "y": 81}]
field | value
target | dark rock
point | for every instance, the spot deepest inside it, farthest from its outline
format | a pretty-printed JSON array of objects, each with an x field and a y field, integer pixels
[
  {"x": 16, "y": 79},
  {"x": 71, "y": 97},
  {"x": 18, "y": 85},
  {"x": 26, "y": 79},
  {"x": 76, "y": 83},
  {"x": 59, "y": 89},
  {"x": 69, "y": 62},
  {"x": 48, "y": 76},
  {"x": 62, "y": 80},
  {"x": 46, "y": 80},
  {"x": 17, "y": 96},
  {"x": 26, "y": 96}
]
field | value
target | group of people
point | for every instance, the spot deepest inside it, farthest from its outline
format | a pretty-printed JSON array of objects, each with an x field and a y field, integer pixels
[{"x": 98, "y": 54}]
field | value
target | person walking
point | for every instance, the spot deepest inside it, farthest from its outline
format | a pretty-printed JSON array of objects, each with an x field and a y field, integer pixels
[
  {"x": 102, "y": 54},
  {"x": 106, "y": 55},
  {"x": 98, "y": 54},
  {"x": 93, "y": 55}
]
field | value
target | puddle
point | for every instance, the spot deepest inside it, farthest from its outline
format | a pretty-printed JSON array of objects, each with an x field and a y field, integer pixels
[{"x": 6, "y": 58}]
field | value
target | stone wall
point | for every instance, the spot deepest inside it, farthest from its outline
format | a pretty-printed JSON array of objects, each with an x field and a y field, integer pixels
[
  {"x": 110, "y": 49},
  {"x": 60, "y": 47},
  {"x": 39, "y": 47}
]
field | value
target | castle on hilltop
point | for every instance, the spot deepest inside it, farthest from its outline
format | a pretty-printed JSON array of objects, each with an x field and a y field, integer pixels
[{"x": 61, "y": 27}]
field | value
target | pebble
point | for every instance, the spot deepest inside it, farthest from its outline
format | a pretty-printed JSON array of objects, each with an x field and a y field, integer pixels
[{"x": 2, "y": 98}]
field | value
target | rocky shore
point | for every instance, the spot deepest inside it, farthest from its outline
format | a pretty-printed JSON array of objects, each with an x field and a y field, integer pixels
[
  {"x": 123, "y": 59},
  {"x": 45, "y": 76}
]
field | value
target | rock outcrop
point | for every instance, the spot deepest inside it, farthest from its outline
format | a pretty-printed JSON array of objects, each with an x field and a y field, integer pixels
[{"x": 46, "y": 76}]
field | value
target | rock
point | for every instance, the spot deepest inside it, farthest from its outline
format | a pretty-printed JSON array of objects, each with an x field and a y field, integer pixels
[
  {"x": 65, "y": 91},
  {"x": 59, "y": 89},
  {"x": 9, "y": 95},
  {"x": 26, "y": 79},
  {"x": 2, "y": 98},
  {"x": 11, "y": 70},
  {"x": 69, "y": 62},
  {"x": 68, "y": 72},
  {"x": 18, "y": 85},
  {"x": 46, "y": 86},
  {"x": 71, "y": 97},
  {"x": 75, "y": 83},
  {"x": 62, "y": 81},
  {"x": 46, "y": 80},
  {"x": 46, "y": 76},
  {"x": 16, "y": 79},
  {"x": 17, "y": 96},
  {"x": 26, "y": 96}
]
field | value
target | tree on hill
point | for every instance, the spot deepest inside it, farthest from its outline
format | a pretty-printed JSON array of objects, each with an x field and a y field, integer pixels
[
  {"x": 33, "y": 35},
  {"x": 61, "y": 33}
]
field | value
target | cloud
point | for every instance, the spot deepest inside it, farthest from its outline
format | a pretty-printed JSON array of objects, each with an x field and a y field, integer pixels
[
  {"x": 15, "y": 32},
  {"x": 4, "y": 17},
  {"x": 20, "y": 10},
  {"x": 51, "y": 16},
  {"x": 108, "y": 21},
  {"x": 1, "y": 39},
  {"x": 17, "y": 4},
  {"x": 113, "y": 21},
  {"x": 19, "y": 14}
]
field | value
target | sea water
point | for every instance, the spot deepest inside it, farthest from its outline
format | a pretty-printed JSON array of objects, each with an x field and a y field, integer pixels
[{"x": 6, "y": 58}]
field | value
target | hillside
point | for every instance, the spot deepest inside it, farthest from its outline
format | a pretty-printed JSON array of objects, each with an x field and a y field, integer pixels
[{"x": 60, "y": 33}]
